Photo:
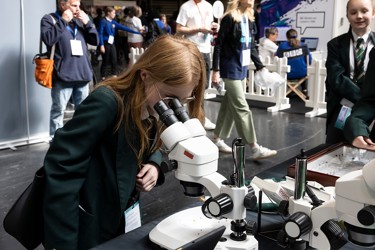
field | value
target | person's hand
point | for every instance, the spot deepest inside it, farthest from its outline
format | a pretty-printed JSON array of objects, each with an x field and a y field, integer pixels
[
  {"x": 363, "y": 142},
  {"x": 102, "y": 49},
  {"x": 143, "y": 30},
  {"x": 147, "y": 178},
  {"x": 83, "y": 17},
  {"x": 204, "y": 30},
  {"x": 215, "y": 77},
  {"x": 67, "y": 15},
  {"x": 215, "y": 27}
]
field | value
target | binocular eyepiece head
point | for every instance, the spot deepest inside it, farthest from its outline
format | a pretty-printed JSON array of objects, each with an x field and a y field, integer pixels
[{"x": 171, "y": 112}]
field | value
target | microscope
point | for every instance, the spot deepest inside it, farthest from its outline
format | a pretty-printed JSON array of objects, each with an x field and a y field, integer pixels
[
  {"x": 322, "y": 225},
  {"x": 194, "y": 158}
]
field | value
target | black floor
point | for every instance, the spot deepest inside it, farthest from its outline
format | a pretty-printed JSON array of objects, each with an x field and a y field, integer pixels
[{"x": 287, "y": 132}]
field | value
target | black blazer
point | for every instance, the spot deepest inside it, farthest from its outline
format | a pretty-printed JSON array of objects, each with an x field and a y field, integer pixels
[
  {"x": 363, "y": 112},
  {"x": 91, "y": 174},
  {"x": 339, "y": 85},
  {"x": 228, "y": 40}
]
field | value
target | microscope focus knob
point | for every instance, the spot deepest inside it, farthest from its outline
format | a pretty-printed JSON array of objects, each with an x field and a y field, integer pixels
[
  {"x": 334, "y": 234},
  {"x": 366, "y": 216},
  {"x": 250, "y": 201},
  {"x": 297, "y": 224},
  {"x": 167, "y": 166},
  {"x": 217, "y": 206}
]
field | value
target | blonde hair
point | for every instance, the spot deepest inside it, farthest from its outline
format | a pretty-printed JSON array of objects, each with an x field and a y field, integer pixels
[
  {"x": 171, "y": 60},
  {"x": 349, "y": 2},
  {"x": 138, "y": 11},
  {"x": 233, "y": 9}
]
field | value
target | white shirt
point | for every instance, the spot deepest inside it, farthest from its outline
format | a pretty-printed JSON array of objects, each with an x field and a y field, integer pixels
[
  {"x": 267, "y": 48},
  {"x": 196, "y": 16},
  {"x": 134, "y": 23}
]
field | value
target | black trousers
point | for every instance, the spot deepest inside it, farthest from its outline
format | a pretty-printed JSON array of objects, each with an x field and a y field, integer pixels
[{"x": 109, "y": 62}]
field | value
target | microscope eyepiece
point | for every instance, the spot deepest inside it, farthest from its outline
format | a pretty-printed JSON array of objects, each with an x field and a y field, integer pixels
[
  {"x": 167, "y": 116},
  {"x": 179, "y": 110}
]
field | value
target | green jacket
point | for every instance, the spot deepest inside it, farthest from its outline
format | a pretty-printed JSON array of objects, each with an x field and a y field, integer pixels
[
  {"x": 91, "y": 173},
  {"x": 363, "y": 112},
  {"x": 339, "y": 85}
]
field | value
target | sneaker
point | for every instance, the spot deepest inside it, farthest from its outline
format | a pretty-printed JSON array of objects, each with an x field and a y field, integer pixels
[
  {"x": 208, "y": 125},
  {"x": 223, "y": 147},
  {"x": 262, "y": 153}
]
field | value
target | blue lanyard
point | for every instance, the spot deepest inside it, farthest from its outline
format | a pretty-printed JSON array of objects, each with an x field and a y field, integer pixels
[
  {"x": 74, "y": 33},
  {"x": 58, "y": 15},
  {"x": 245, "y": 31}
]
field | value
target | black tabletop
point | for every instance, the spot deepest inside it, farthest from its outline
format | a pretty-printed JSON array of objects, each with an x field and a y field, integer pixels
[{"x": 271, "y": 223}]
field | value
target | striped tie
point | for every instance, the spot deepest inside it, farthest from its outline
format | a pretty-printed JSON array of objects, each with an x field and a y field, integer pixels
[{"x": 359, "y": 60}]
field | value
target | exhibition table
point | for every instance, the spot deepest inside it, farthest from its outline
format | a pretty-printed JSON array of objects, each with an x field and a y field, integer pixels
[{"x": 271, "y": 223}]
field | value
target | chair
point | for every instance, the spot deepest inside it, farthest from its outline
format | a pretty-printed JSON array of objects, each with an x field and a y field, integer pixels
[
  {"x": 293, "y": 87},
  {"x": 298, "y": 59}
]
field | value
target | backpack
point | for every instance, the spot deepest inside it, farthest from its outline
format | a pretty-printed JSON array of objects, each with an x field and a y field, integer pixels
[{"x": 154, "y": 31}]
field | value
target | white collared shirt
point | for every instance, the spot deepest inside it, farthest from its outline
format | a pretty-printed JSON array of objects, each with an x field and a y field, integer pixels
[{"x": 369, "y": 45}]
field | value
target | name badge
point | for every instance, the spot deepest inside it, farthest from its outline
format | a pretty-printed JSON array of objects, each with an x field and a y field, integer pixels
[
  {"x": 76, "y": 47},
  {"x": 246, "y": 57},
  {"x": 132, "y": 217},
  {"x": 111, "y": 39},
  {"x": 343, "y": 115}
]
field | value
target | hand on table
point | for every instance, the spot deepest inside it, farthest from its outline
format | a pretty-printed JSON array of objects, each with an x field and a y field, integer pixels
[{"x": 363, "y": 142}]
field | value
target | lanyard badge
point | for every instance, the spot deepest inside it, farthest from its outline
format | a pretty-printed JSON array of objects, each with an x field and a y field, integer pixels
[{"x": 75, "y": 45}]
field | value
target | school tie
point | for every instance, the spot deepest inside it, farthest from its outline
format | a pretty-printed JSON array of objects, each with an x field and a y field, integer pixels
[{"x": 359, "y": 60}]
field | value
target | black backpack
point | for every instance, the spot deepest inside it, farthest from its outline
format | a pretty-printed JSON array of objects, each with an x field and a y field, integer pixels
[{"x": 154, "y": 31}]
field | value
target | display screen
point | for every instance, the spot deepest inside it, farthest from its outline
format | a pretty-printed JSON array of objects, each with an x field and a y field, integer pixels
[{"x": 311, "y": 42}]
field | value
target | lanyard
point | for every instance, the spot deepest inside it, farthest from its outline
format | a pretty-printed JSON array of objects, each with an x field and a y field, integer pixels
[
  {"x": 74, "y": 33},
  {"x": 58, "y": 15},
  {"x": 245, "y": 31}
]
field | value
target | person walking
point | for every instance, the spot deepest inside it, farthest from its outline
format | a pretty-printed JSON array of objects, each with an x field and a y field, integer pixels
[
  {"x": 195, "y": 22},
  {"x": 70, "y": 29},
  {"x": 232, "y": 54}
]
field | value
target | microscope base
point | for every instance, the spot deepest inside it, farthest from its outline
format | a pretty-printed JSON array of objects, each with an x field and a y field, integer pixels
[{"x": 190, "y": 224}]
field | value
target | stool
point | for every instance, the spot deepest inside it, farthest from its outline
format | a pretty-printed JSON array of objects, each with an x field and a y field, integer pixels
[{"x": 293, "y": 87}]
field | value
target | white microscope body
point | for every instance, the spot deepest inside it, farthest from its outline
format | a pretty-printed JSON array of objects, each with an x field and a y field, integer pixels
[
  {"x": 196, "y": 159},
  {"x": 354, "y": 205}
]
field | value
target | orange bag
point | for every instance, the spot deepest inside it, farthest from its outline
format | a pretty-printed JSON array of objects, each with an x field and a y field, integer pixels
[
  {"x": 43, "y": 70},
  {"x": 44, "y": 64}
]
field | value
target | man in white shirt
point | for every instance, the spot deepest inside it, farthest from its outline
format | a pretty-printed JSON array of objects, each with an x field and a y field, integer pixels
[
  {"x": 267, "y": 45},
  {"x": 195, "y": 22}
]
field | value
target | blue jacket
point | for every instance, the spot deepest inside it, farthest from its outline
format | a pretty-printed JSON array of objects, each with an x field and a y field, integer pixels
[
  {"x": 108, "y": 28},
  {"x": 296, "y": 59},
  {"x": 68, "y": 68}
]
